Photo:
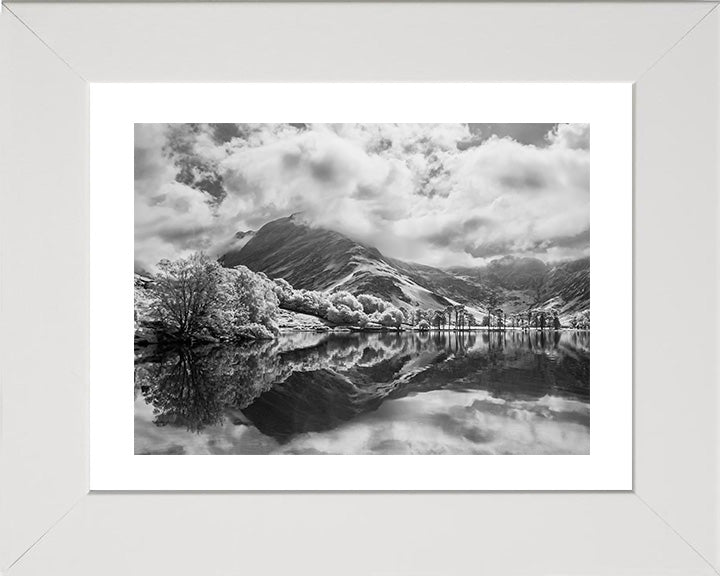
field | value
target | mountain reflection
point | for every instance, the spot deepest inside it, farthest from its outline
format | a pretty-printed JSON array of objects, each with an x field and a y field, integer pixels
[{"x": 286, "y": 393}]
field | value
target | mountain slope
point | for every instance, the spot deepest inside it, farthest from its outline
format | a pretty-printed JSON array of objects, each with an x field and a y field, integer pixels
[
  {"x": 318, "y": 259},
  {"x": 310, "y": 258},
  {"x": 570, "y": 281},
  {"x": 527, "y": 282},
  {"x": 508, "y": 272}
]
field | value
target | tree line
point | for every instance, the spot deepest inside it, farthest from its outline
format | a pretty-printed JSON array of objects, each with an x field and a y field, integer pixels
[{"x": 195, "y": 298}]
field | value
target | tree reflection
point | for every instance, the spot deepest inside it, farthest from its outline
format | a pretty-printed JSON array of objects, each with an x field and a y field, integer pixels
[
  {"x": 305, "y": 382},
  {"x": 191, "y": 387},
  {"x": 182, "y": 390}
]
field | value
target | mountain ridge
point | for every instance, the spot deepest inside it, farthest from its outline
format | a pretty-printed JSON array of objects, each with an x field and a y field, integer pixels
[{"x": 315, "y": 258}]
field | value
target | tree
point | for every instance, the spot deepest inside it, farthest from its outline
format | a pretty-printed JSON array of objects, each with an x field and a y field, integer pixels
[
  {"x": 346, "y": 299},
  {"x": 195, "y": 298},
  {"x": 581, "y": 320},
  {"x": 492, "y": 301},
  {"x": 252, "y": 298},
  {"x": 448, "y": 313},
  {"x": 371, "y": 304},
  {"x": 342, "y": 314},
  {"x": 420, "y": 315},
  {"x": 283, "y": 289},
  {"x": 423, "y": 325},
  {"x": 438, "y": 318},
  {"x": 391, "y": 317},
  {"x": 307, "y": 302},
  {"x": 186, "y": 292},
  {"x": 556, "y": 322},
  {"x": 459, "y": 315}
]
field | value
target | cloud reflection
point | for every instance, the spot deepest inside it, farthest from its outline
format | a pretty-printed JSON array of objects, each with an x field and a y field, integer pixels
[{"x": 368, "y": 394}]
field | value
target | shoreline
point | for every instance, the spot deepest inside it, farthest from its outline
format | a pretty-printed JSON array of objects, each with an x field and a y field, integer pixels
[
  {"x": 355, "y": 329},
  {"x": 144, "y": 342}
]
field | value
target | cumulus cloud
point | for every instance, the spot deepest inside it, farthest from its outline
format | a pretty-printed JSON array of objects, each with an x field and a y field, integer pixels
[
  {"x": 573, "y": 136},
  {"x": 414, "y": 191}
]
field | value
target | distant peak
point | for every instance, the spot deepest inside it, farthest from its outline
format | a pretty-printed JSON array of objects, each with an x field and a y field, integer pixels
[{"x": 512, "y": 260}]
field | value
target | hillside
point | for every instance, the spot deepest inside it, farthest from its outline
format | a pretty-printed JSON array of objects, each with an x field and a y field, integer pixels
[
  {"x": 528, "y": 282},
  {"x": 508, "y": 272},
  {"x": 569, "y": 281},
  {"x": 319, "y": 259}
]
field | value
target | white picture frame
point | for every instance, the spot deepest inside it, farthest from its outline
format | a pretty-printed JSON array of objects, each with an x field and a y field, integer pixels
[
  {"x": 115, "y": 108},
  {"x": 50, "y": 522}
]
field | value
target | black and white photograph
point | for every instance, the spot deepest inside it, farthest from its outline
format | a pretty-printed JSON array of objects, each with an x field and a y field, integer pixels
[{"x": 362, "y": 289}]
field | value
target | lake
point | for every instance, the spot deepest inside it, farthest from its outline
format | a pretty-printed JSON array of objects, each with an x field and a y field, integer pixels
[{"x": 368, "y": 393}]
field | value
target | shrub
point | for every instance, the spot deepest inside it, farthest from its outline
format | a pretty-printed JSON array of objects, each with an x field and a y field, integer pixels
[
  {"x": 255, "y": 332},
  {"x": 339, "y": 307}
]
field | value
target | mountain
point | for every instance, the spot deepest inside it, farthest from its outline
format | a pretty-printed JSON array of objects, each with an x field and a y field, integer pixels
[
  {"x": 509, "y": 272},
  {"x": 315, "y": 258},
  {"x": 318, "y": 259},
  {"x": 531, "y": 282},
  {"x": 570, "y": 281},
  {"x": 234, "y": 244}
]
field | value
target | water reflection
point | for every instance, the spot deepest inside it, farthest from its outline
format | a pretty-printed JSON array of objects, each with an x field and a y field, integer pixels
[{"x": 439, "y": 392}]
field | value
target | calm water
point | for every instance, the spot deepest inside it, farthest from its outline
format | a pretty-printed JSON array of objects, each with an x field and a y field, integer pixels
[{"x": 407, "y": 393}]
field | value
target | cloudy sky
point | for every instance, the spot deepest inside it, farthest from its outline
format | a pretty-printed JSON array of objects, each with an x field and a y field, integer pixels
[{"x": 438, "y": 194}]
